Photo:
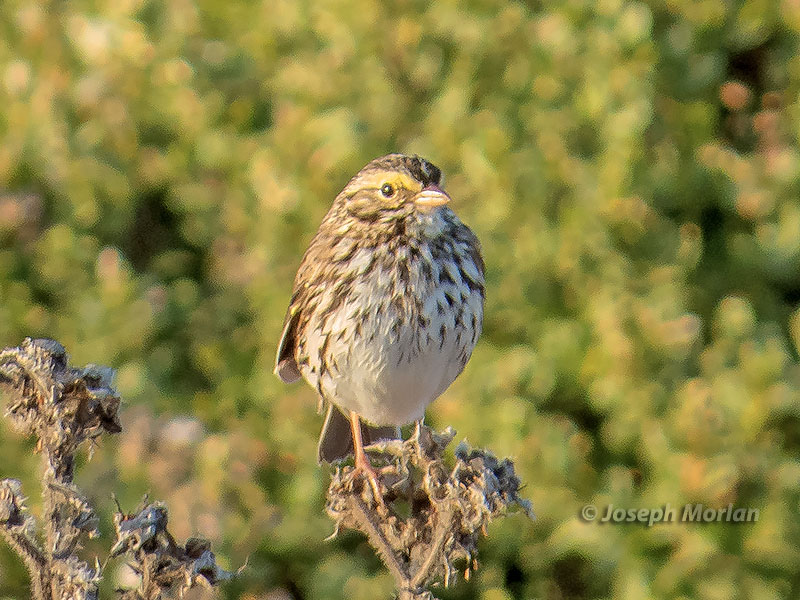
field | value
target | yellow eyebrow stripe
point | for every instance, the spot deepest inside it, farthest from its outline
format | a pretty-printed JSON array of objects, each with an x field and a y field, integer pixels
[{"x": 376, "y": 180}]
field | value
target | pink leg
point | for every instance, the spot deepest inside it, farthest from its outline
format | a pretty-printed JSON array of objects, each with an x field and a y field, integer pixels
[{"x": 362, "y": 462}]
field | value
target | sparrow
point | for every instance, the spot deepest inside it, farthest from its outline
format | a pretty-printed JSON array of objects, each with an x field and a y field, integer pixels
[{"x": 386, "y": 308}]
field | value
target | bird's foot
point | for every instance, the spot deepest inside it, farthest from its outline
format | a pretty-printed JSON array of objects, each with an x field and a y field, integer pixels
[{"x": 365, "y": 468}]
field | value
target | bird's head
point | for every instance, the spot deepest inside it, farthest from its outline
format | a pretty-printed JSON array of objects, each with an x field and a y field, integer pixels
[{"x": 394, "y": 186}]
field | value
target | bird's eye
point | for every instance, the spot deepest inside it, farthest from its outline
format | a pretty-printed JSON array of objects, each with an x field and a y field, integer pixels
[{"x": 387, "y": 189}]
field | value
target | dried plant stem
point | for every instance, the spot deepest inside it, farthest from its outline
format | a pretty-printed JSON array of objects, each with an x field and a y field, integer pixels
[
  {"x": 58, "y": 474},
  {"x": 409, "y": 587},
  {"x": 34, "y": 561},
  {"x": 31, "y": 554},
  {"x": 444, "y": 529},
  {"x": 449, "y": 507},
  {"x": 63, "y": 407},
  {"x": 150, "y": 589},
  {"x": 366, "y": 520}
]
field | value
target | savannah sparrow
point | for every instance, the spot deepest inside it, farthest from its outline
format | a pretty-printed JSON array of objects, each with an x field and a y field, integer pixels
[{"x": 386, "y": 308}]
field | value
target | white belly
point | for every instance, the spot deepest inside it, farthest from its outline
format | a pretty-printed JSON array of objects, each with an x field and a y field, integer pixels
[
  {"x": 386, "y": 383},
  {"x": 386, "y": 373}
]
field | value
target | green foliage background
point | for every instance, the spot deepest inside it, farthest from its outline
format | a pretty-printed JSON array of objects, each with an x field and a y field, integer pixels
[{"x": 631, "y": 168}]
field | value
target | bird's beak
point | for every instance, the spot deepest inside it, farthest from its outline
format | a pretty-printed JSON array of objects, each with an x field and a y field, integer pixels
[{"x": 431, "y": 196}]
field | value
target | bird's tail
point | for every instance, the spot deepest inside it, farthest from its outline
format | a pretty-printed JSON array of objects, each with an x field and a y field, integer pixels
[{"x": 336, "y": 439}]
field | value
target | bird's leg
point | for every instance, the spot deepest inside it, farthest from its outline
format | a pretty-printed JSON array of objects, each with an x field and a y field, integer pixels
[
  {"x": 362, "y": 462},
  {"x": 416, "y": 437}
]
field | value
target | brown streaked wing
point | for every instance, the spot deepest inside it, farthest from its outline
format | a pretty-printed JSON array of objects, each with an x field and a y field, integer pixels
[{"x": 285, "y": 363}]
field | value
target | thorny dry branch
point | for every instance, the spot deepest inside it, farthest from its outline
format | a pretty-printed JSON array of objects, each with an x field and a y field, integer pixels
[
  {"x": 158, "y": 560},
  {"x": 449, "y": 507},
  {"x": 63, "y": 407}
]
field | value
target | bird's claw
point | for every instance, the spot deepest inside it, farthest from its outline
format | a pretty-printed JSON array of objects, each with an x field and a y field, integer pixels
[{"x": 364, "y": 468}]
